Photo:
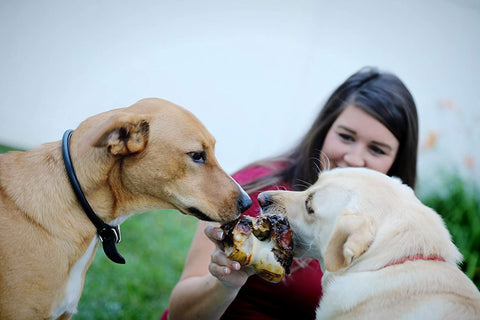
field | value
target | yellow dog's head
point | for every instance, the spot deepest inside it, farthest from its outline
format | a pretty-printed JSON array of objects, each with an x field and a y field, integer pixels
[{"x": 357, "y": 217}]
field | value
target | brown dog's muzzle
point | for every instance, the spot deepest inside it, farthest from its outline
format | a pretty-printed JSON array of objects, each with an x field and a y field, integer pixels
[{"x": 243, "y": 203}]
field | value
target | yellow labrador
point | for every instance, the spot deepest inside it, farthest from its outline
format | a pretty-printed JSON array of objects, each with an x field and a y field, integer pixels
[
  {"x": 385, "y": 255},
  {"x": 58, "y": 200}
]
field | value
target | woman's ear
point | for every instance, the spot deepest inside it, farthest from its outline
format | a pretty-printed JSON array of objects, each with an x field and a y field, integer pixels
[
  {"x": 122, "y": 134},
  {"x": 351, "y": 237}
]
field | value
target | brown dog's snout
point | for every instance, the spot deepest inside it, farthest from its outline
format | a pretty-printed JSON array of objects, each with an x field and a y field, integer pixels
[
  {"x": 264, "y": 199},
  {"x": 244, "y": 202}
]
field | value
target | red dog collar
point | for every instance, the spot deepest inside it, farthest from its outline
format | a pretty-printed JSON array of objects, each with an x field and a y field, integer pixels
[{"x": 415, "y": 257}]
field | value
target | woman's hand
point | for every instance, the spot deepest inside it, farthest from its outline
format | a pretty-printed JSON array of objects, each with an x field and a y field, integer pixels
[
  {"x": 229, "y": 272},
  {"x": 209, "y": 281}
]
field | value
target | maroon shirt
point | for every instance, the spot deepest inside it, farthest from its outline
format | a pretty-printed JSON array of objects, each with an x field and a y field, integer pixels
[{"x": 295, "y": 297}]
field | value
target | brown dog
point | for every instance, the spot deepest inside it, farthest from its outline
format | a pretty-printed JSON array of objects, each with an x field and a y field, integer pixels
[
  {"x": 384, "y": 254},
  {"x": 151, "y": 155}
]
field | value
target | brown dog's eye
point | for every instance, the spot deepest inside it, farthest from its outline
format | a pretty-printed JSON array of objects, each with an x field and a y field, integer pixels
[
  {"x": 307, "y": 205},
  {"x": 198, "y": 157}
]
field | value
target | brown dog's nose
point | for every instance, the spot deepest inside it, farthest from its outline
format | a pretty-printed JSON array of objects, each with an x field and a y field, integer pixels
[
  {"x": 244, "y": 202},
  {"x": 264, "y": 199}
]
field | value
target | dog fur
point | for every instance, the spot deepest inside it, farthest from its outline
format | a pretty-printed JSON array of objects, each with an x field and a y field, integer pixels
[
  {"x": 151, "y": 155},
  {"x": 384, "y": 254}
]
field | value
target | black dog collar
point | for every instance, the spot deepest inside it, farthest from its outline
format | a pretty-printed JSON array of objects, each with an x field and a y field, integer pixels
[{"x": 108, "y": 235}]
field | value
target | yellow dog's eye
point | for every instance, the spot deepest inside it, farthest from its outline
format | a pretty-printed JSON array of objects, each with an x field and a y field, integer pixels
[
  {"x": 198, "y": 157},
  {"x": 308, "y": 206}
]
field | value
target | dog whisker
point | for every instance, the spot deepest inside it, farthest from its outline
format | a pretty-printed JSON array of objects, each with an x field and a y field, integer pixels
[
  {"x": 324, "y": 162},
  {"x": 318, "y": 166},
  {"x": 302, "y": 184},
  {"x": 281, "y": 188}
]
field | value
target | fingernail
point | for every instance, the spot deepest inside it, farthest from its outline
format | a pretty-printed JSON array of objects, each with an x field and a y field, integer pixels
[
  {"x": 226, "y": 270},
  {"x": 236, "y": 265},
  {"x": 220, "y": 235}
]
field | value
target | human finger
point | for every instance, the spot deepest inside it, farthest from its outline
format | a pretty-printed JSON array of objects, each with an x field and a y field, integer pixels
[
  {"x": 214, "y": 233},
  {"x": 219, "y": 257}
]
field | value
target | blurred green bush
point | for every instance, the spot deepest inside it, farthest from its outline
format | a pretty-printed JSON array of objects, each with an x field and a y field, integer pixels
[{"x": 458, "y": 202}]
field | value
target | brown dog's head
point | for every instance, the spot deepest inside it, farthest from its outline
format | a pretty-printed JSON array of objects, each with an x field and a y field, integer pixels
[
  {"x": 152, "y": 155},
  {"x": 355, "y": 215}
]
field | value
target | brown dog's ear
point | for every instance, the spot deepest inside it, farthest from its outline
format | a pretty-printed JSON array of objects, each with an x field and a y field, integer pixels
[
  {"x": 122, "y": 134},
  {"x": 351, "y": 237}
]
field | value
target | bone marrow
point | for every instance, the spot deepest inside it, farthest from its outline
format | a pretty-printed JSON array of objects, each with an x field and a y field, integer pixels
[{"x": 265, "y": 243}]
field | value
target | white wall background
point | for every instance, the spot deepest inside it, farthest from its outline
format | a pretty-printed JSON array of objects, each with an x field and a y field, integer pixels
[{"x": 254, "y": 71}]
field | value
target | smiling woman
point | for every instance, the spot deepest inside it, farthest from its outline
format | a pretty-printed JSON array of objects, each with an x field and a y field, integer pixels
[
  {"x": 358, "y": 140},
  {"x": 370, "y": 121}
]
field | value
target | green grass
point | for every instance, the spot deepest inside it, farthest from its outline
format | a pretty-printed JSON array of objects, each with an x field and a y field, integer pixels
[
  {"x": 155, "y": 245},
  {"x": 4, "y": 149}
]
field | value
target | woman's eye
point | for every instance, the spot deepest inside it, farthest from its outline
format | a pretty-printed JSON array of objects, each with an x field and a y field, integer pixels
[
  {"x": 377, "y": 150},
  {"x": 346, "y": 137},
  {"x": 198, "y": 157}
]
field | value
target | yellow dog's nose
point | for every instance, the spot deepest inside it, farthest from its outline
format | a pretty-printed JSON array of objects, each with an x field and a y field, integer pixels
[{"x": 264, "y": 199}]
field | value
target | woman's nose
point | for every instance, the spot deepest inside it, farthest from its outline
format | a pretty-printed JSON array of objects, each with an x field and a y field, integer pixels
[{"x": 355, "y": 157}]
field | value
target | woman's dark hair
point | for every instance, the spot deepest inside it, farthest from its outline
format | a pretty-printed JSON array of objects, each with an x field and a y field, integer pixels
[{"x": 383, "y": 96}]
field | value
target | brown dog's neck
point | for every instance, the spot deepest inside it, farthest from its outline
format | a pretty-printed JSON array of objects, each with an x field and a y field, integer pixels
[
  {"x": 99, "y": 177},
  {"x": 49, "y": 193},
  {"x": 109, "y": 235},
  {"x": 43, "y": 192}
]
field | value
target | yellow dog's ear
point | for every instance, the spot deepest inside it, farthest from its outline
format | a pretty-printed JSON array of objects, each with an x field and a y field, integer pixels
[
  {"x": 122, "y": 134},
  {"x": 351, "y": 237}
]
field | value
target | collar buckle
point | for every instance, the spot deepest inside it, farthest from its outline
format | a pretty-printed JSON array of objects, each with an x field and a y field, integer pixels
[{"x": 107, "y": 233}]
